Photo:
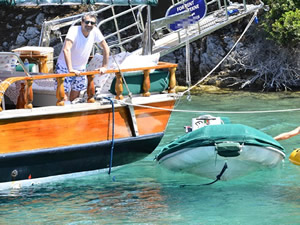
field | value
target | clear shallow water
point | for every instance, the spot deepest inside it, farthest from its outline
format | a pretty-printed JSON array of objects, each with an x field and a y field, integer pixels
[{"x": 145, "y": 193}]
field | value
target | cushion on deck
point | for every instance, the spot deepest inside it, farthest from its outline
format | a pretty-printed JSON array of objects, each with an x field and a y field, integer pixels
[{"x": 159, "y": 81}]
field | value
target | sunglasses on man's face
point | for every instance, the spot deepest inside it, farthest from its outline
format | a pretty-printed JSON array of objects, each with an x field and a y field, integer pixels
[{"x": 91, "y": 22}]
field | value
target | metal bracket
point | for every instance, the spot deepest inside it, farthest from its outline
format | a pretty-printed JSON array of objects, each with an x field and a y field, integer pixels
[{"x": 135, "y": 131}]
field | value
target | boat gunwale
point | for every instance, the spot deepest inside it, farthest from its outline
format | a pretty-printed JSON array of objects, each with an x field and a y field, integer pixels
[
  {"x": 167, "y": 156},
  {"x": 82, "y": 107}
]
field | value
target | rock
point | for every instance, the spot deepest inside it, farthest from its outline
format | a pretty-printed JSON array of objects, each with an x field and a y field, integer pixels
[
  {"x": 19, "y": 17},
  {"x": 57, "y": 48},
  {"x": 214, "y": 48},
  {"x": 8, "y": 26},
  {"x": 40, "y": 19},
  {"x": 21, "y": 39},
  {"x": 5, "y": 44},
  {"x": 229, "y": 42},
  {"x": 34, "y": 41},
  {"x": 31, "y": 33},
  {"x": 28, "y": 22}
]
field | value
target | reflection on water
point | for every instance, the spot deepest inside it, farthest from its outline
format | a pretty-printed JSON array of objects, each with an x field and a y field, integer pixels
[
  {"x": 144, "y": 193},
  {"x": 138, "y": 201}
]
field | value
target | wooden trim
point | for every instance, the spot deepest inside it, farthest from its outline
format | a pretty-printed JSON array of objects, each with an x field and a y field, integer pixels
[
  {"x": 91, "y": 89},
  {"x": 28, "y": 94},
  {"x": 172, "y": 82},
  {"x": 60, "y": 91},
  {"x": 146, "y": 83}
]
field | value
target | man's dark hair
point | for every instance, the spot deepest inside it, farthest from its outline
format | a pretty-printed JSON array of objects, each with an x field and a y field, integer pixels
[{"x": 89, "y": 14}]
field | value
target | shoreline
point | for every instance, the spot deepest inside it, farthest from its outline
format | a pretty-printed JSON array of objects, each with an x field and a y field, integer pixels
[{"x": 211, "y": 89}]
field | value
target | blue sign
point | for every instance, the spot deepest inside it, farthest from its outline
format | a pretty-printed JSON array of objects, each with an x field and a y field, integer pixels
[{"x": 197, "y": 9}]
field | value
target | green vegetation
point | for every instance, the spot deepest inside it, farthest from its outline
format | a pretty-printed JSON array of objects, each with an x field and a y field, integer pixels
[{"x": 282, "y": 21}]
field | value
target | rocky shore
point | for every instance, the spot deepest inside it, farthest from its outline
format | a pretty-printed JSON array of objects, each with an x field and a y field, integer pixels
[{"x": 21, "y": 26}]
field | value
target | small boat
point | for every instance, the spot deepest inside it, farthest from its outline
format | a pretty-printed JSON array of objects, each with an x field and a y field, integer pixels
[
  {"x": 295, "y": 157},
  {"x": 220, "y": 150}
]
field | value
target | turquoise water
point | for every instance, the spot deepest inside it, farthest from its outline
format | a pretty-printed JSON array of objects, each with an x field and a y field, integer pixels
[{"x": 145, "y": 193}]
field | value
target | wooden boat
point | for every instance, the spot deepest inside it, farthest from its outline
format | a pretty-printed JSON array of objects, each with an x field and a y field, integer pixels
[
  {"x": 52, "y": 140},
  {"x": 121, "y": 126},
  {"x": 221, "y": 151},
  {"x": 295, "y": 157}
]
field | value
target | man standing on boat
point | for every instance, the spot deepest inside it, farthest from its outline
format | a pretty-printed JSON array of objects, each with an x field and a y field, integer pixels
[{"x": 76, "y": 52}]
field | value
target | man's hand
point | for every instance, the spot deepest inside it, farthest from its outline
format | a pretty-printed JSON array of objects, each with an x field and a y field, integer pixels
[
  {"x": 77, "y": 72},
  {"x": 102, "y": 70}
]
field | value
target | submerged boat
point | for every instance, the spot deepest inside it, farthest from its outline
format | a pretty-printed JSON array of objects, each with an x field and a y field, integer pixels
[
  {"x": 113, "y": 125},
  {"x": 218, "y": 150}
]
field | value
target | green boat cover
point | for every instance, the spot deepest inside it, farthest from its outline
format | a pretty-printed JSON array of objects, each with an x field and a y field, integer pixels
[
  {"x": 209, "y": 135},
  {"x": 159, "y": 81},
  {"x": 70, "y": 2}
]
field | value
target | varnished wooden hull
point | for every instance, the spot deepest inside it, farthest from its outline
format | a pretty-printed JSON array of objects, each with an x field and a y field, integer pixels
[{"x": 36, "y": 144}]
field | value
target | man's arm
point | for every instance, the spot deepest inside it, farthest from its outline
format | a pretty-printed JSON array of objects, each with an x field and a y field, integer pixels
[
  {"x": 67, "y": 53},
  {"x": 287, "y": 135}
]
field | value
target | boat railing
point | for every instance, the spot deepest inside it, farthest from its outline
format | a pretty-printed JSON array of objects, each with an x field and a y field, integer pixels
[
  {"x": 25, "y": 98},
  {"x": 123, "y": 29},
  {"x": 114, "y": 26}
]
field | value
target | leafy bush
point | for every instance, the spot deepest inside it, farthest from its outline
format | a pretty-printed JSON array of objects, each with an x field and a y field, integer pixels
[{"x": 282, "y": 22}]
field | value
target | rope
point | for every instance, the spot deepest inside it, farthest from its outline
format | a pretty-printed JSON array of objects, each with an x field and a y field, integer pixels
[
  {"x": 208, "y": 111},
  {"x": 217, "y": 178},
  {"x": 112, "y": 134},
  {"x": 122, "y": 75},
  {"x": 224, "y": 112},
  {"x": 247, "y": 27}
]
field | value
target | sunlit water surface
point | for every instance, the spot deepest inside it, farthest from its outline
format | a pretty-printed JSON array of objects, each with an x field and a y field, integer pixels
[{"x": 145, "y": 193}]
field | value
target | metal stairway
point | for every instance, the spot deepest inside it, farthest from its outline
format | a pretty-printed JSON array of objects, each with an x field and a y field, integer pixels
[{"x": 212, "y": 22}]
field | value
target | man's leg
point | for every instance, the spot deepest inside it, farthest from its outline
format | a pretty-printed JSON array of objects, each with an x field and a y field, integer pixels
[
  {"x": 78, "y": 85},
  {"x": 67, "y": 80},
  {"x": 74, "y": 94}
]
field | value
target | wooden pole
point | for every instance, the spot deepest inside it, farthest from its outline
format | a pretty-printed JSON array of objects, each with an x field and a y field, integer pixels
[
  {"x": 146, "y": 83},
  {"x": 60, "y": 91},
  {"x": 28, "y": 94},
  {"x": 119, "y": 86},
  {"x": 172, "y": 80},
  {"x": 91, "y": 89}
]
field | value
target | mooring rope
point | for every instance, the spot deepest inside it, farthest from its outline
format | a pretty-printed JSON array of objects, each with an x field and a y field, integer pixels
[
  {"x": 209, "y": 111},
  {"x": 218, "y": 177},
  {"x": 112, "y": 134},
  {"x": 239, "y": 39}
]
